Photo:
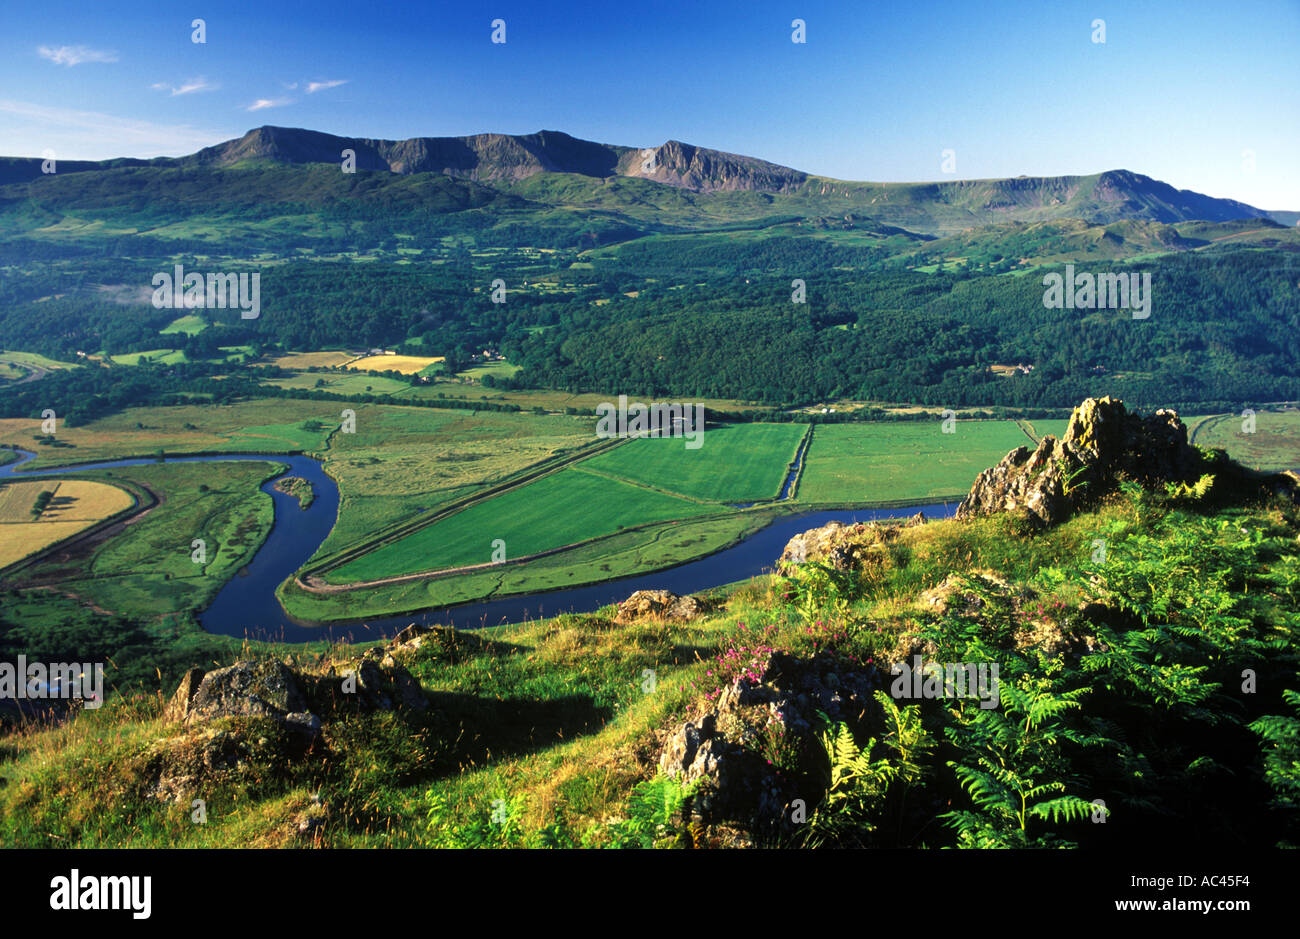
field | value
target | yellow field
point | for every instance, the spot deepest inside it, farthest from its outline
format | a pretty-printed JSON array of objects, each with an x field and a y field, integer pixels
[
  {"x": 406, "y": 364},
  {"x": 77, "y": 504},
  {"x": 318, "y": 359}
]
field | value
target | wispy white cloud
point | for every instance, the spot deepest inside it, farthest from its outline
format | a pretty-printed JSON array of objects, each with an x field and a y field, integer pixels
[
  {"x": 189, "y": 87},
  {"x": 313, "y": 87},
  {"x": 30, "y": 129},
  {"x": 75, "y": 55},
  {"x": 261, "y": 104}
]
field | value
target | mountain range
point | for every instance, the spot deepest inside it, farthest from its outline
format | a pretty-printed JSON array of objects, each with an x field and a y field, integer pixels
[{"x": 601, "y": 173}]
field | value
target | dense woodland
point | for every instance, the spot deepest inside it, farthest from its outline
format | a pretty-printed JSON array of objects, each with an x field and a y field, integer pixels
[
  {"x": 627, "y": 286},
  {"x": 1225, "y": 326}
]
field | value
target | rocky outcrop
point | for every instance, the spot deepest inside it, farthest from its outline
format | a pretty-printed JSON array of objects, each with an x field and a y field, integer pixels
[
  {"x": 257, "y": 713},
  {"x": 722, "y": 751},
  {"x": 377, "y": 681},
  {"x": 1031, "y": 620},
  {"x": 843, "y": 547},
  {"x": 662, "y": 605},
  {"x": 245, "y": 689},
  {"x": 1104, "y": 444}
]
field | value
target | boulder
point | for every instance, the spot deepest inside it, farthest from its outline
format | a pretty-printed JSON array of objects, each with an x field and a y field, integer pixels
[
  {"x": 956, "y": 595},
  {"x": 985, "y": 596},
  {"x": 721, "y": 751},
  {"x": 245, "y": 689},
  {"x": 377, "y": 681},
  {"x": 660, "y": 604},
  {"x": 178, "y": 708},
  {"x": 182, "y": 766},
  {"x": 843, "y": 547}
]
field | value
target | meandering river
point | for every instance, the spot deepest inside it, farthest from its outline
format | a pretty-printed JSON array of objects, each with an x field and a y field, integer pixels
[{"x": 248, "y": 607}]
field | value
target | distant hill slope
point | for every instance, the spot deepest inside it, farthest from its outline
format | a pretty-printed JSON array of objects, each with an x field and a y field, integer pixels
[{"x": 504, "y": 161}]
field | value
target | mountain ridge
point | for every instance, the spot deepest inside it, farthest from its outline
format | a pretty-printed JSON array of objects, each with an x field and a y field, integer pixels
[{"x": 502, "y": 161}]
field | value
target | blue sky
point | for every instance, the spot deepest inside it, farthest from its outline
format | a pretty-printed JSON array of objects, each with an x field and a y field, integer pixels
[{"x": 1179, "y": 91}]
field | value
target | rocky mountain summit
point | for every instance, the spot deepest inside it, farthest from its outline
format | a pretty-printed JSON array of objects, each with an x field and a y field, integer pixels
[{"x": 507, "y": 157}]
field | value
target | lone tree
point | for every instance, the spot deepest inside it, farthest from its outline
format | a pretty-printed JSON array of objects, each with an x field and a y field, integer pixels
[{"x": 42, "y": 502}]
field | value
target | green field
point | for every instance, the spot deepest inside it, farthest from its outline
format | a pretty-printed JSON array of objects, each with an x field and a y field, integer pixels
[
  {"x": 399, "y": 462},
  {"x": 158, "y": 356},
  {"x": 33, "y": 359},
  {"x": 343, "y": 384},
  {"x": 404, "y": 461},
  {"x": 735, "y": 462},
  {"x": 630, "y": 552},
  {"x": 1274, "y": 446},
  {"x": 190, "y": 325},
  {"x": 559, "y": 509},
  {"x": 264, "y": 425},
  {"x": 896, "y": 462},
  {"x": 495, "y": 369},
  {"x": 146, "y": 569},
  {"x": 20, "y": 365}
]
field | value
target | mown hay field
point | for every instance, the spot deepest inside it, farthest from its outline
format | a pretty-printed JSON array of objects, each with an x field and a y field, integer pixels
[
  {"x": 77, "y": 505},
  {"x": 327, "y": 359},
  {"x": 406, "y": 364}
]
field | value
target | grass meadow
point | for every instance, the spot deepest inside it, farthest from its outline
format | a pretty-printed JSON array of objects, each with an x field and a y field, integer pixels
[
  {"x": 265, "y": 425},
  {"x": 735, "y": 463},
  {"x": 405, "y": 461},
  {"x": 904, "y": 461},
  {"x": 1273, "y": 446},
  {"x": 146, "y": 570},
  {"x": 558, "y": 509}
]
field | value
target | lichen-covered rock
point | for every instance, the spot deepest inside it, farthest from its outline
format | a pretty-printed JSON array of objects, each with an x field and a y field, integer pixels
[
  {"x": 965, "y": 594},
  {"x": 1027, "y": 617},
  {"x": 184, "y": 764},
  {"x": 843, "y": 547},
  {"x": 721, "y": 752},
  {"x": 660, "y": 604},
  {"x": 245, "y": 689},
  {"x": 1104, "y": 444},
  {"x": 377, "y": 681},
  {"x": 178, "y": 708},
  {"x": 252, "y": 715}
]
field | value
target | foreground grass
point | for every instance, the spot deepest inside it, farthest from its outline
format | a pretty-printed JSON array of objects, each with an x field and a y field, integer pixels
[{"x": 553, "y": 722}]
